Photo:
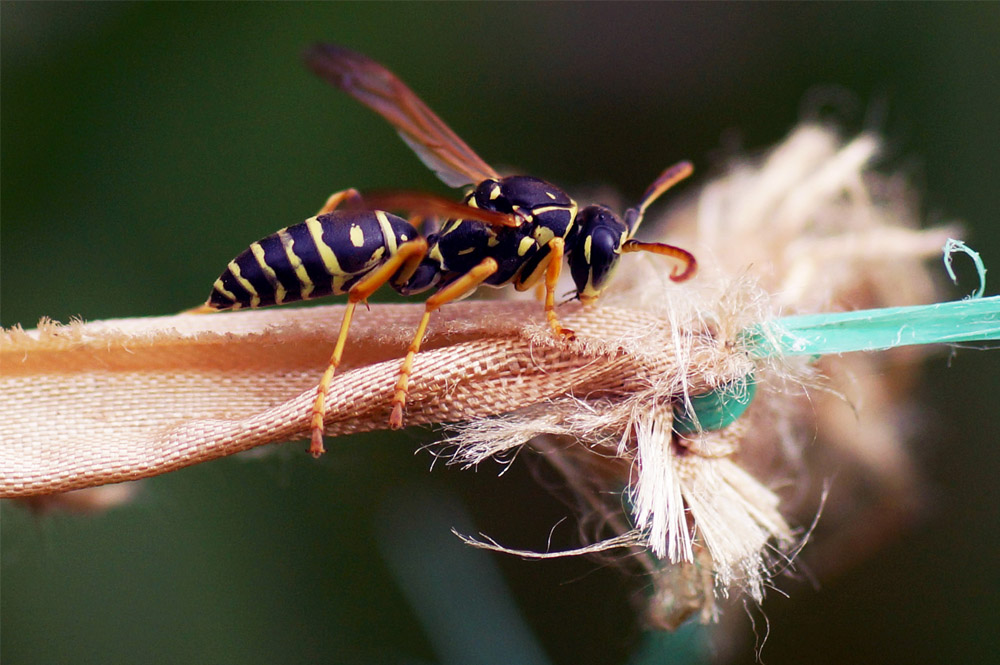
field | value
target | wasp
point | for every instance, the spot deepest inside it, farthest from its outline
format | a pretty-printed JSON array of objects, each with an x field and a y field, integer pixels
[{"x": 507, "y": 230}]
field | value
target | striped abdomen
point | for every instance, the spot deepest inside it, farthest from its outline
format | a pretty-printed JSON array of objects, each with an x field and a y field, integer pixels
[{"x": 322, "y": 256}]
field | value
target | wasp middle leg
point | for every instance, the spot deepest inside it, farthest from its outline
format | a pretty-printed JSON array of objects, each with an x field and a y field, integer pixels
[{"x": 457, "y": 289}]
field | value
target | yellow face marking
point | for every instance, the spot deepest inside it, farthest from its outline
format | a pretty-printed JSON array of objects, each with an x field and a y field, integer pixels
[
  {"x": 279, "y": 290},
  {"x": 524, "y": 246},
  {"x": 466, "y": 251},
  {"x": 492, "y": 241},
  {"x": 586, "y": 249},
  {"x": 389, "y": 238},
  {"x": 245, "y": 283},
  {"x": 357, "y": 236},
  {"x": 293, "y": 258},
  {"x": 495, "y": 193}
]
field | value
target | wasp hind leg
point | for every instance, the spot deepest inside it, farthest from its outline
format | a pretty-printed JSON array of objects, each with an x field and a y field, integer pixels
[
  {"x": 407, "y": 257},
  {"x": 457, "y": 289},
  {"x": 351, "y": 195}
]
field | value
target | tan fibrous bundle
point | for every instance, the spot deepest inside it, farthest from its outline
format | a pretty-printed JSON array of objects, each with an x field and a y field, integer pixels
[{"x": 806, "y": 228}]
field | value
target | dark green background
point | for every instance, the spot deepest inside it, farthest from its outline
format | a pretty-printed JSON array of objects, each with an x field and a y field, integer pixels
[{"x": 145, "y": 145}]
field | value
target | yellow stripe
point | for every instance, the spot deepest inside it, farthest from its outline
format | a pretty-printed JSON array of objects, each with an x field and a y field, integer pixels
[
  {"x": 221, "y": 288},
  {"x": 245, "y": 283},
  {"x": 272, "y": 277},
  {"x": 300, "y": 271},
  {"x": 387, "y": 234},
  {"x": 541, "y": 209},
  {"x": 330, "y": 261}
]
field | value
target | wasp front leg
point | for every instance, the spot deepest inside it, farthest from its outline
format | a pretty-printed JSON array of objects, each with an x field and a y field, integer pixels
[
  {"x": 552, "y": 272},
  {"x": 454, "y": 291}
]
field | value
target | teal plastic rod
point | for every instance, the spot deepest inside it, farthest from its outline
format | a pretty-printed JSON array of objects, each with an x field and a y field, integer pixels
[{"x": 974, "y": 320}]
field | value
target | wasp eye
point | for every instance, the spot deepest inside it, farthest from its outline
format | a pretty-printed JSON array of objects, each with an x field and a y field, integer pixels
[
  {"x": 594, "y": 257},
  {"x": 604, "y": 252}
]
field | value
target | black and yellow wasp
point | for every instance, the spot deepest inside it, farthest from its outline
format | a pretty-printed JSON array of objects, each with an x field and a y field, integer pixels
[{"x": 510, "y": 230}]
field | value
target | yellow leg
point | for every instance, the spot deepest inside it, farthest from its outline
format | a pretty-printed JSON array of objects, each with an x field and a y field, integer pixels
[
  {"x": 407, "y": 256},
  {"x": 551, "y": 279},
  {"x": 319, "y": 406},
  {"x": 200, "y": 309},
  {"x": 337, "y": 198},
  {"x": 457, "y": 289}
]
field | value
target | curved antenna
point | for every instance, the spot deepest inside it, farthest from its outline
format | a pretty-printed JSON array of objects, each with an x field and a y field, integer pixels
[
  {"x": 670, "y": 177},
  {"x": 380, "y": 90},
  {"x": 684, "y": 257}
]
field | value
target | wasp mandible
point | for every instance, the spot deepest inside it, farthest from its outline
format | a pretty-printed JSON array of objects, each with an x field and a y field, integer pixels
[{"x": 508, "y": 230}]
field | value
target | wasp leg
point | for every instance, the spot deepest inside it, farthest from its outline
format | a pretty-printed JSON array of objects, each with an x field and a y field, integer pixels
[
  {"x": 200, "y": 309},
  {"x": 551, "y": 279},
  {"x": 457, "y": 289},
  {"x": 406, "y": 258},
  {"x": 686, "y": 257},
  {"x": 337, "y": 198}
]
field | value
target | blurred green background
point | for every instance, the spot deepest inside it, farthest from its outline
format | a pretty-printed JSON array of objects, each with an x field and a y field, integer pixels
[{"x": 144, "y": 145}]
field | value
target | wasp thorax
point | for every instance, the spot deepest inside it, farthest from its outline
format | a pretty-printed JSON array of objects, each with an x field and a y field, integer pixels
[
  {"x": 593, "y": 249},
  {"x": 519, "y": 193}
]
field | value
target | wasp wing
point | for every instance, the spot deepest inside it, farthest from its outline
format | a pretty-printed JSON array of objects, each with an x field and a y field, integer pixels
[
  {"x": 426, "y": 205},
  {"x": 380, "y": 90}
]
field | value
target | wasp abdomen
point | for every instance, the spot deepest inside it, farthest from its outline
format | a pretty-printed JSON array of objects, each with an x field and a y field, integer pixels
[{"x": 324, "y": 255}]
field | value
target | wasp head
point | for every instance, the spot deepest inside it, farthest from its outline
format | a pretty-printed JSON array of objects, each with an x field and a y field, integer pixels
[{"x": 593, "y": 249}]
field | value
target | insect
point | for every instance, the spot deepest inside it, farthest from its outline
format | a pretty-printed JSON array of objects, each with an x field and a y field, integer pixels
[{"x": 508, "y": 230}]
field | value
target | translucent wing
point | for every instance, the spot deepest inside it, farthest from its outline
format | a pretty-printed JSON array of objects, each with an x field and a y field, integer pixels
[
  {"x": 380, "y": 90},
  {"x": 431, "y": 205}
]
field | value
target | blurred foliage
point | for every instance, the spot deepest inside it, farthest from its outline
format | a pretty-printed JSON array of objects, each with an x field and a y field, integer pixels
[{"x": 144, "y": 145}]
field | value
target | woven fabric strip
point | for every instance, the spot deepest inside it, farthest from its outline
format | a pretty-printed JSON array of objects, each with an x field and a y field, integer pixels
[{"x": 89, "y": 404}]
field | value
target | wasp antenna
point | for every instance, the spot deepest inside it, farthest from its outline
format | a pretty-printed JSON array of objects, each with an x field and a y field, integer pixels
[
  {"x": 682, "y": 255},
  {"x": 670, "y": 177}
]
